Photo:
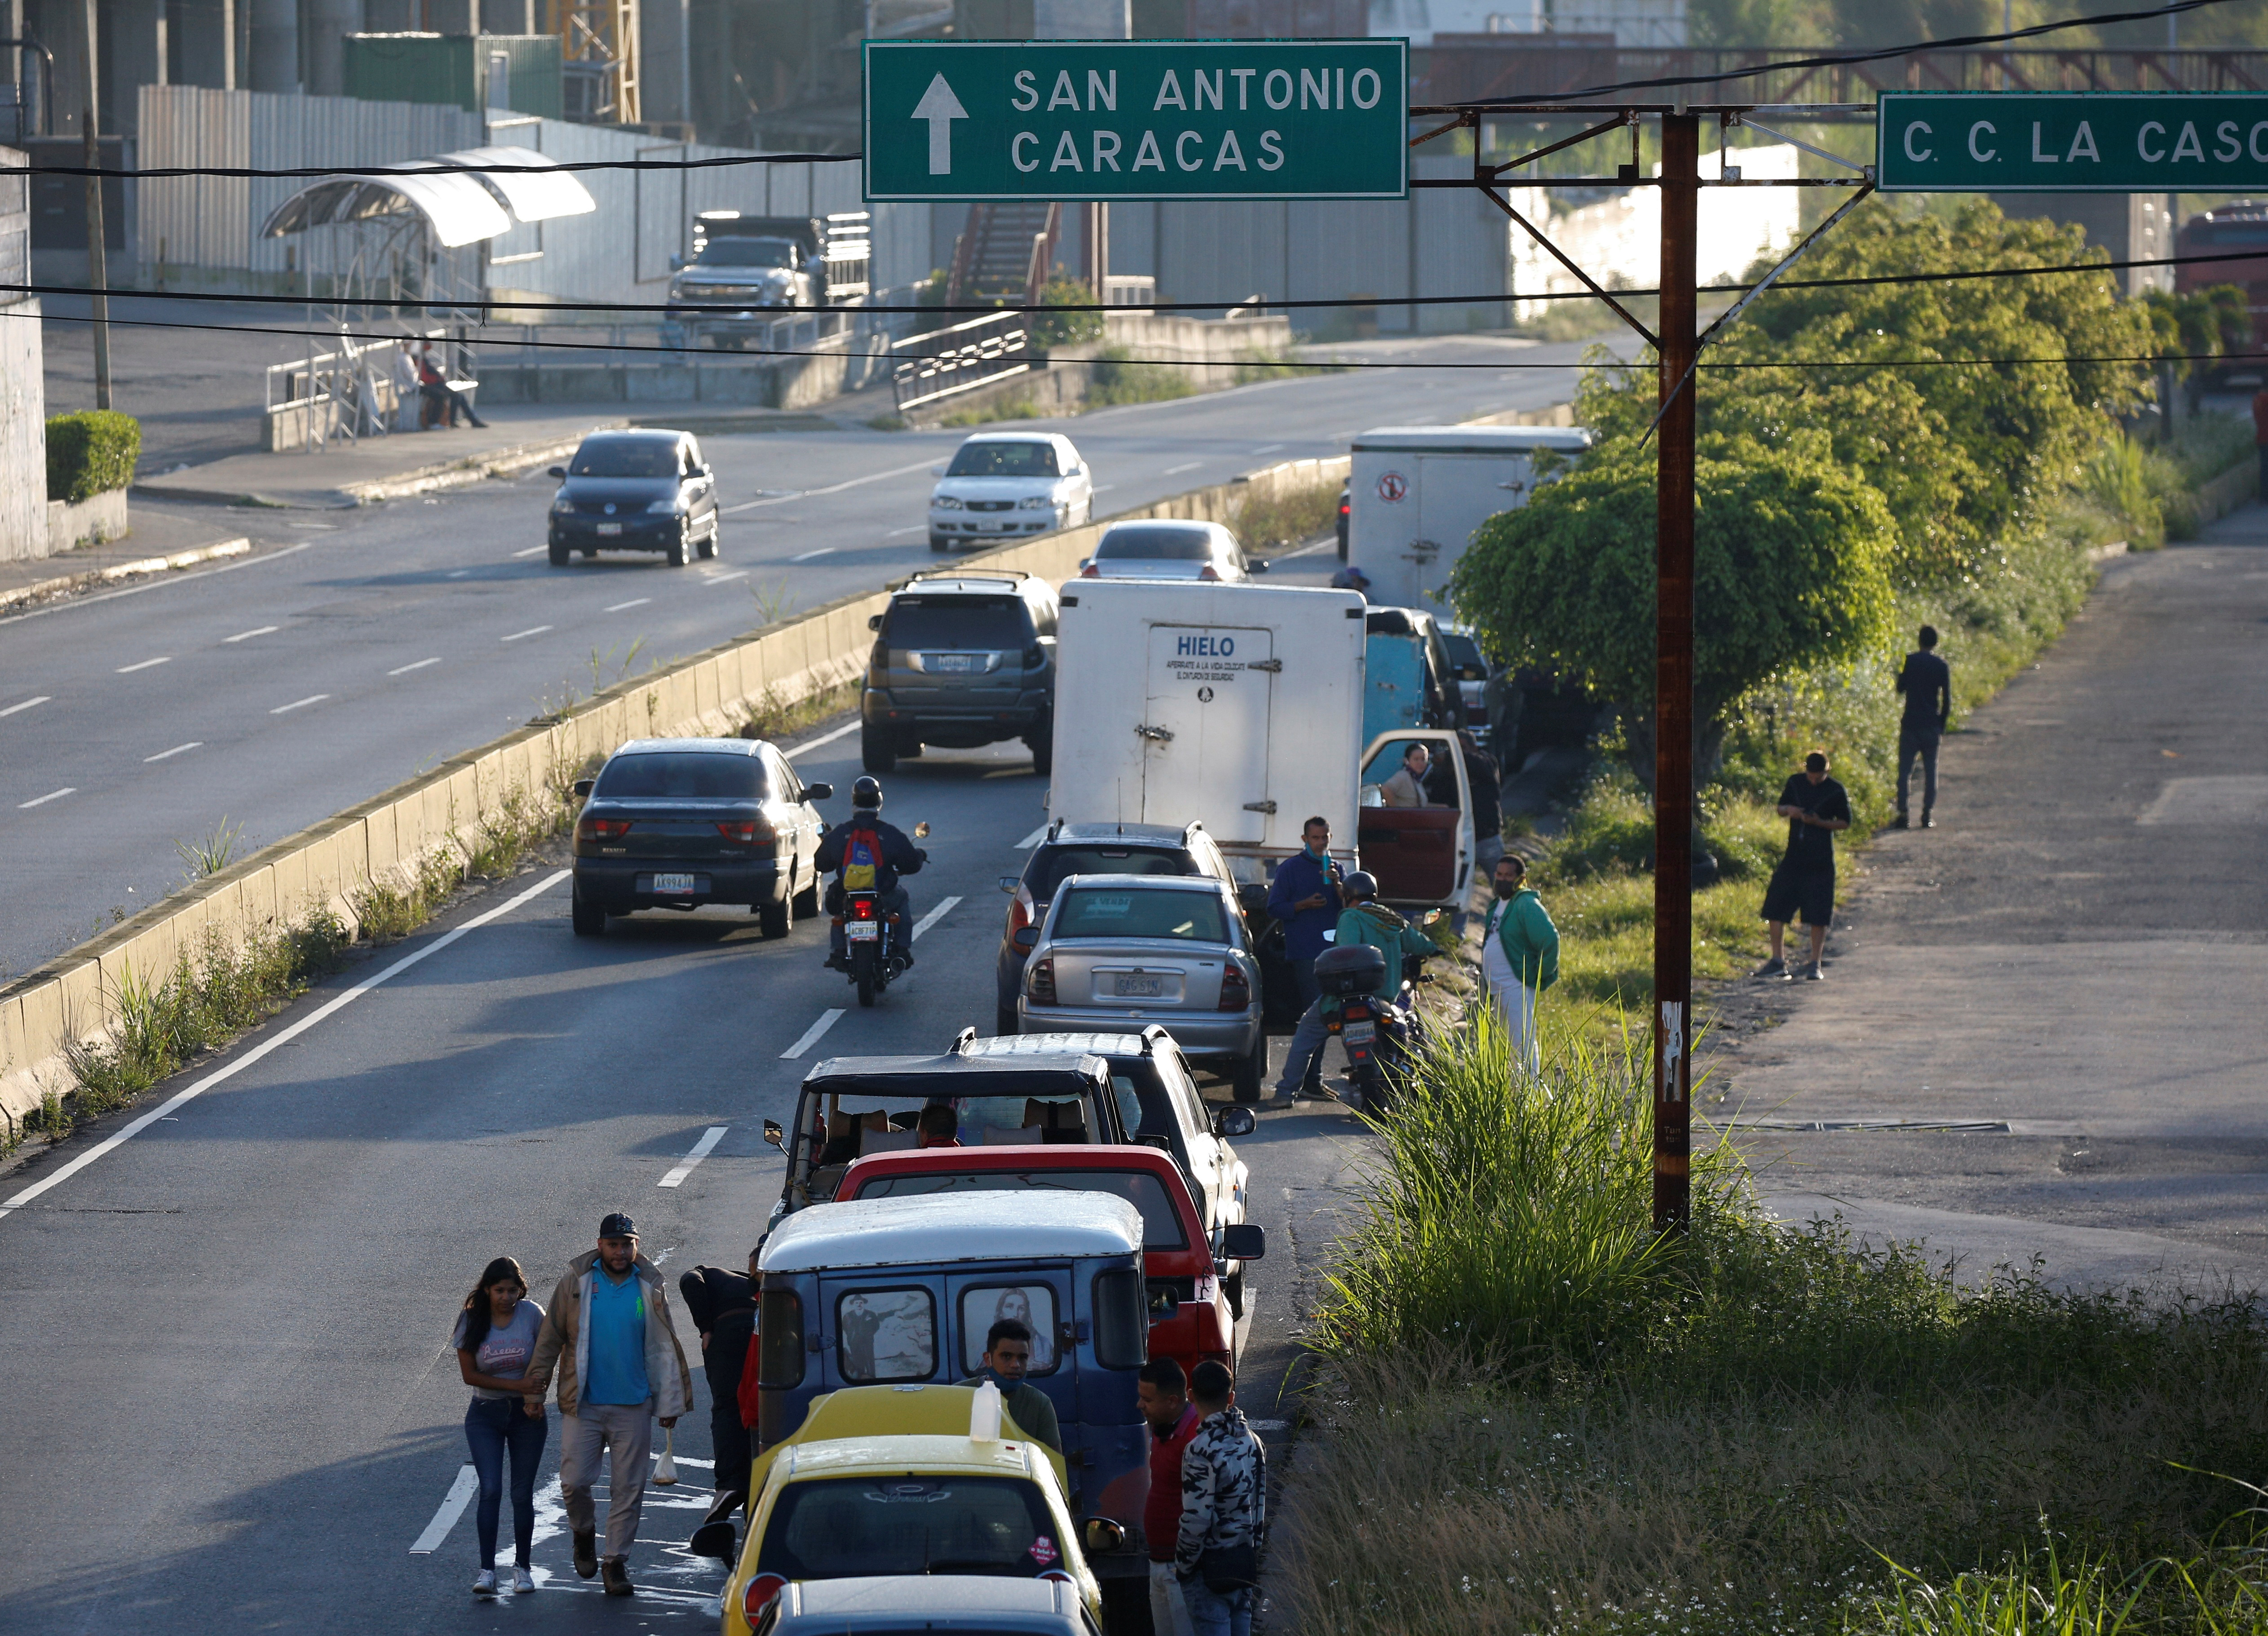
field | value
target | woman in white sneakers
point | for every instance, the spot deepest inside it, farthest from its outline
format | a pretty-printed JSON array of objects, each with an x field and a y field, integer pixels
[{"x": 495, "y": 1340}]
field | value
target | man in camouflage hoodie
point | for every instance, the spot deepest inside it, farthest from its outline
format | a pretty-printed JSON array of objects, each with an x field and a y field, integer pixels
[{"x": 1224, "y": 1506}]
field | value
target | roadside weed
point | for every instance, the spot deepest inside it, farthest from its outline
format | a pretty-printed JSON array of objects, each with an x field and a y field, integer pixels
[{"x": 214, "y": 852}]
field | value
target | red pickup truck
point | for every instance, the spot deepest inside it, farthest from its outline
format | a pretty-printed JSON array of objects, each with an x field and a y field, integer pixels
[{"x": 1189, "y": 1317}]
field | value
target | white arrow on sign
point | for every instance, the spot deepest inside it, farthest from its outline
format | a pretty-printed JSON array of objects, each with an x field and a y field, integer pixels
[{"x": 940, "y": 108}]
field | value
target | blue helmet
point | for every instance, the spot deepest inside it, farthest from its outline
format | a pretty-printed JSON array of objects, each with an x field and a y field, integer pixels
[{"x": 1351, "y": 578}]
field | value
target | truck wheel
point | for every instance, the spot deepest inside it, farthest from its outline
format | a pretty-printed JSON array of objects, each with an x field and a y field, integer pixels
[
  {"x": 1247, "y": 1080},
  {"x": 1043, "y": 746},
  {"x": 776, "y": 919},
  {"x": 878, "y": 752},
  {"x": 1233, "y": 1287},
  {"x": 806, "y": 902},
  {"x": 1004, "y": 1020}
]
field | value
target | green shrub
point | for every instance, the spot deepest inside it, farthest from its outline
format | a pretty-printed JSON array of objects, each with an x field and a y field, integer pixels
[
  {"x": 91, "y": 452},
  {"x": 1062, "y": 329},
  {"x": 1119, "y": 380}
]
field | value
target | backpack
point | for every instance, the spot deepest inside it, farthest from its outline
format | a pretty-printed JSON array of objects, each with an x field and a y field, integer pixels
[{"x": 862, "y": 860}]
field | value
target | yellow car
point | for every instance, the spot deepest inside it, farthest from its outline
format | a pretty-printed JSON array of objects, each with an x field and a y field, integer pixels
[{"x": 887, "y": 1480}]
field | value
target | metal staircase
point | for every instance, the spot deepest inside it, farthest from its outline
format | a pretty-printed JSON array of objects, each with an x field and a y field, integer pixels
[{"x": 1004, "y": 253}]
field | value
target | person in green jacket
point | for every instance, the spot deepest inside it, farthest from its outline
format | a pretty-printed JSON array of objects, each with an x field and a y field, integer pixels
[
  {"x": 1519, "y": 956},
  {"x": 1367, "y": 921}
]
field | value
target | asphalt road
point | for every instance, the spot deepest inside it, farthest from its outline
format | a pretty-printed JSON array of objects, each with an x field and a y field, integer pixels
[
  {"x": 270, "y": 694},
  {"x": 227, "y": 1337}
]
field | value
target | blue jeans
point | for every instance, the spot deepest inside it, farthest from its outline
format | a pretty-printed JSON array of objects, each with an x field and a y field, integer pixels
[
  {"x": 1212, "y": 1614},
  {"x": 493, "y": 1425}
]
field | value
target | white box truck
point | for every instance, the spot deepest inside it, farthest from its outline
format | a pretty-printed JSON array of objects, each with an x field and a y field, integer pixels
[
  {"x": 1417, "y": 493},
  {"x": 1236, "y": 706}
]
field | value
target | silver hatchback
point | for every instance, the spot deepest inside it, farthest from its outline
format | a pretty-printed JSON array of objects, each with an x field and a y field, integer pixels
[{"x": 1119, "y": 953}]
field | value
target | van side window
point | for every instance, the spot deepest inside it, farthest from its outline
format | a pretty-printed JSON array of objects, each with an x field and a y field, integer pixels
[
  {"x": 884, "y": 1335},
  {"x": 1122, "y": 1319},
  {"x": 779, "y": 1355},
  {"x": 1031, "y": 1305}
]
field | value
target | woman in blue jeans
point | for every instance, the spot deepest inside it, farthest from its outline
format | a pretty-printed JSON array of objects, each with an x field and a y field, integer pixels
[{"x": 495, "y": 1340}]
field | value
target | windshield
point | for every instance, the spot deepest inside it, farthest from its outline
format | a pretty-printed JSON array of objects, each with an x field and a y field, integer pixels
[
  {"x": 687, "y": 774},
  {"x": 839, "y": 1127},
  {"x": 1003, "y": 460},
  {"x": 997, "y": 622},
  {"x": 625, "y": 457},
  {"x": 1173, "y": 545},
  {"x": 847, "y": 1526},
  {"x": 748, "y": 252},
  {"x": 1056, "y": 865},
  {"x": 1115, "y": 911},
  {"x": 1161, "y": 1223}
]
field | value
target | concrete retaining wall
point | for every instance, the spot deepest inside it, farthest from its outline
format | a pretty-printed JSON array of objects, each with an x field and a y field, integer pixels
[
  {"x": 88, "y": 522},
  {"x": 387, "y": 839}
]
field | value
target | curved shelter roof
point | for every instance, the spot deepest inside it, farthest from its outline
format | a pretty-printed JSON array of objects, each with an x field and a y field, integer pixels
[{"x": 460, "y": 207}]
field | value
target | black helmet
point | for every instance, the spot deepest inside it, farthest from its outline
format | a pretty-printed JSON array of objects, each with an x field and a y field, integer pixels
[
  {"x": 1361, "y": 883},
  {"x": 867, "y": 795}
]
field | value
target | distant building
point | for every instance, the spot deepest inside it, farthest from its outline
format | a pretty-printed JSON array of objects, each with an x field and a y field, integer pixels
[
  {"x": 1641, "y": 24},
  {"x": 2131, "y": 226}
]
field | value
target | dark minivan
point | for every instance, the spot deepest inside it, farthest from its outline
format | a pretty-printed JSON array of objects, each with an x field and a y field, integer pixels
[{"x": 640, "y": 491}]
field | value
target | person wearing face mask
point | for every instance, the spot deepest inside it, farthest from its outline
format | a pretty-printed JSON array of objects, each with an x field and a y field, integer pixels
[
  {"x": 1306, "y": 896},
  {"x": 1520, "y": 957}
]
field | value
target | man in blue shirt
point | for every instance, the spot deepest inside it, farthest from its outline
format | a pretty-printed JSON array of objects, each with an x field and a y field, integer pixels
[{"x": 1306, "y": 896}]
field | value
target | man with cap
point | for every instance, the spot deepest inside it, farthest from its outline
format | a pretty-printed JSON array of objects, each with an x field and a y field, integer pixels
[{"x": 609, "y": 1335}]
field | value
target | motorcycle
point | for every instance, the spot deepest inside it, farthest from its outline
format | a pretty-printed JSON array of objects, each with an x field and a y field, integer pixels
[
  {"x": 1381, "y": 1036},
  {"x": 874, "y": 943}
]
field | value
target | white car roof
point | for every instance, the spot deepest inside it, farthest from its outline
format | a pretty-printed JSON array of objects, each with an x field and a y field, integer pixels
[
  {"x": 1474, "y": 439},
  {"x": 953, "y": 1226}
]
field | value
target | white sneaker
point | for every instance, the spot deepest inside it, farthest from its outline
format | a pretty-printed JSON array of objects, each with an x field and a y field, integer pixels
[
  {"x": 522, "y": 1579},
  {"x": 484, "y": 1582}
]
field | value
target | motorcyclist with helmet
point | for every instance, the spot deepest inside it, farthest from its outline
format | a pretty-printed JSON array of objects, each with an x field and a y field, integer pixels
[
  {"x": 1364, "y": 920},
  {"x": 863, "y": 842}
]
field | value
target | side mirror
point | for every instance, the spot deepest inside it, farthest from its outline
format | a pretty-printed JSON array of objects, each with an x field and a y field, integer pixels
[
  {"x": 1026, "y": 938},
  {"x": 874, "y": 622},
  {"x": 584, "y": 786},
  {"x": 1240, "y": 1240},
  {"x": 936, "y": 471},
  {"x": 921, "y": 830},
  {"x": 1163, "y": 1302},
  {"x": 1236, "y": 1122},
  {"x": 1103, "y": 1536},
  {"x": 559, "y": 472},
  {"x": 774, "y": 1134},
  {"x": 1009, "y": 883},
  {"x": 818, "y": 792},
  {"x": 1258, "y": 565},
  {"x": 676, "y": 264},
  {"x": 717, "y": 1541}
]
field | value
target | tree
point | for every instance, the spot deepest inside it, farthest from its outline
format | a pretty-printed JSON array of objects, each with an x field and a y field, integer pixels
[
  {"x": 1062, "y": 329},
  {"x": 1791, "y": 556}
]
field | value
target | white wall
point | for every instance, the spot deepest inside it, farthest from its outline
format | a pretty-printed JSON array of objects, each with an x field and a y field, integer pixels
[{"x": 23, "y": 384}]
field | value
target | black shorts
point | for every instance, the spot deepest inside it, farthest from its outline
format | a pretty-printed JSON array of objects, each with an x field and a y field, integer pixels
[{"x": 1806, "y": 893}]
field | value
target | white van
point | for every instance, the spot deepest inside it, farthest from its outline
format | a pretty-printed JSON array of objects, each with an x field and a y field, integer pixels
[{"x": 1417, "y": 493}]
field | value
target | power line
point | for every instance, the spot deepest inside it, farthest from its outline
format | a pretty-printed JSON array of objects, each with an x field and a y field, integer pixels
[{"x": 423, "y": 167}]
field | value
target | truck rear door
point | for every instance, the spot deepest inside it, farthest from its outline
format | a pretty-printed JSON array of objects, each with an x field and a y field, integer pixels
[
  {"x": 1456, "y": 494},
  {"x": 1204, "y": 730}
]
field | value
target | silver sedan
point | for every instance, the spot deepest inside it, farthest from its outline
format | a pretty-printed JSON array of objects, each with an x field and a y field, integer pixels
[{"x": 1118, "y": 953}]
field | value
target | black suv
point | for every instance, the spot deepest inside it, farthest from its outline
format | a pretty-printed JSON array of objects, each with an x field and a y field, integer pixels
[
  {"x": 961, "y": 660},
  {"x": 639, "y": 490},
  {"x": 1088, "y": 849}
]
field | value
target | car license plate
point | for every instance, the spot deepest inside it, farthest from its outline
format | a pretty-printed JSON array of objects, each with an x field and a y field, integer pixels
[
  {"x": 1359, "y": 1033},
  {"x": 672, "y": 883},
  {"x": 953, "y": 664},
  {"x": 863, "y": 930},
  {"x": 1139, "y": 986},
  {"x": 610, "y": 527}
]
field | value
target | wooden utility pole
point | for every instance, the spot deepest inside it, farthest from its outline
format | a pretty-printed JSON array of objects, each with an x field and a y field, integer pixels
[
  {"x": 1673, "y": 706},
  {"x": 97, "y": 272}
]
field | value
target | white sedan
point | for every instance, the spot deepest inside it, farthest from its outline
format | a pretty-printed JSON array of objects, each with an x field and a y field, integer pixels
[
  {"x": 1004, "y": 486},
  {"x": 1169, "y": 549}
]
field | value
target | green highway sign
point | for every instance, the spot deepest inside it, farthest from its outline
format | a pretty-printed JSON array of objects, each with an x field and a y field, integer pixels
[
  {"x": 2080, "y": 142},
  {"x": 1148, "y": 119}
]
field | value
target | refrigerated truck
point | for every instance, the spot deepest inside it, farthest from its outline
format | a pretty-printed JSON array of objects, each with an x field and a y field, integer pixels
[{"x": 1417, "y": 493}]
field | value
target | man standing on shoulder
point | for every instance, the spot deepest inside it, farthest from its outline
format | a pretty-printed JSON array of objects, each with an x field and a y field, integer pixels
[
  {"x": 1520, "y": 957},
  {"x": 620, "y": 1367},
  {"x": 722, "y": 1304},
  {"x": 1007, "y": 1355},
  {"x": 1926, "y": 681},
  {"x": 1815, "y": 809},
  {"x": 1224, "y": 1508},
  {"x": 1305, "y": 896},
  {"x": 1173, "y": 1419}
]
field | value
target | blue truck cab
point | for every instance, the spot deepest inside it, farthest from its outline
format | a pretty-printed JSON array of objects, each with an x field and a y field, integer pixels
[{"x": 900, "y": 1291}]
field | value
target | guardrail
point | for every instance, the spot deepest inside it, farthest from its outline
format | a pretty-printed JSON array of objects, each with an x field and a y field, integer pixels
[
  {"x": 961, "y": 358},
  {"x": 336, "y": 397}
]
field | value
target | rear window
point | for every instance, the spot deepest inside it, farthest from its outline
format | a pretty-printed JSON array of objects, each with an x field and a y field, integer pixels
[
  {"x": 1178, "y": 545},
  {"x": 998, "y": 623},
  {"x": 883, "y": 1335},
  {"x": 625, "y": 457},
  {"x": 1056, "y": 865},
  {"x": 683, "y": 773},
  {"x": 1462, "y": 650},
  {"x": 1121, "y": 911},
  {"x": 854, "y": 1527},
  {"x": 1003, "y": 460},
  {"x": 847, "y": 1126},
  {"x": 1161, "y": 1223}
]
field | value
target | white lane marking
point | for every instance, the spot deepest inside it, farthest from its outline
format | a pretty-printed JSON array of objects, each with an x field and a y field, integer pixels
[
  {"x": 403, "y": 670},
  {"x": 128, "y": 670},
  {"x": 826, "y": 549},
  {"x": 52, "y": 795},
  {"x": 701, "y": 1150},
  {"x": 280, "y": 1038},
  {"x": 1266, "y": 448},
  {"x": 1176, "y": 471},
  {"x": 312, "y": 698},
  {"x": 636, "y": 602},
  {"x": 843, "y": 732},
  {"x": 805, "y": 494},
  {"x": 1033, "y": 839},
  {"x": 246, "y": 636},
  {"x": 532, "y": 631},
  {"x": 738, "y": 574},
  {"x": 932, "y": 917},
  {"x": 827, "y": 1019},
  {"x": 194, "y": 744},
  {"x": 453, "y": 1506},
  {"x": 43, "y": 699},
  {"x": 460, "y": 573},
  {"x": 895, "y": 534},
  {"x": 531, "y": 550},
  {"x": 765, "y": 497}
]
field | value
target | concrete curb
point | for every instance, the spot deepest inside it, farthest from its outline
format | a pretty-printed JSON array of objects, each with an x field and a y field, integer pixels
[
  {"x": 509, "y": 461},
  {"x": 41, "y": 589}
]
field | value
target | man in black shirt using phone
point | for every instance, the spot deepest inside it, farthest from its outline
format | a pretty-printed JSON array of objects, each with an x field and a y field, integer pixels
[
  {"x": 1816, "y": 807},
  {"x": 1926, "y": 681}
]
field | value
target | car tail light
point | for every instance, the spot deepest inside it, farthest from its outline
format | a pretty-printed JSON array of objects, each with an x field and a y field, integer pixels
[
  {"x": 1208, "y": 572},
  {"x": 1235, "y": 991},
  {"x": 1022, "y": 911},
  {"x": 1034, "y": 656},
  {"x": 602, "y": 828},
  {"x": 1345, "y": 506},
  {"x": 759, "y": 1596},
  {"x": 1039, "y": 987},
  {"x": 1088, "y": 571},
  {"x": 747, "y": 832}
]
